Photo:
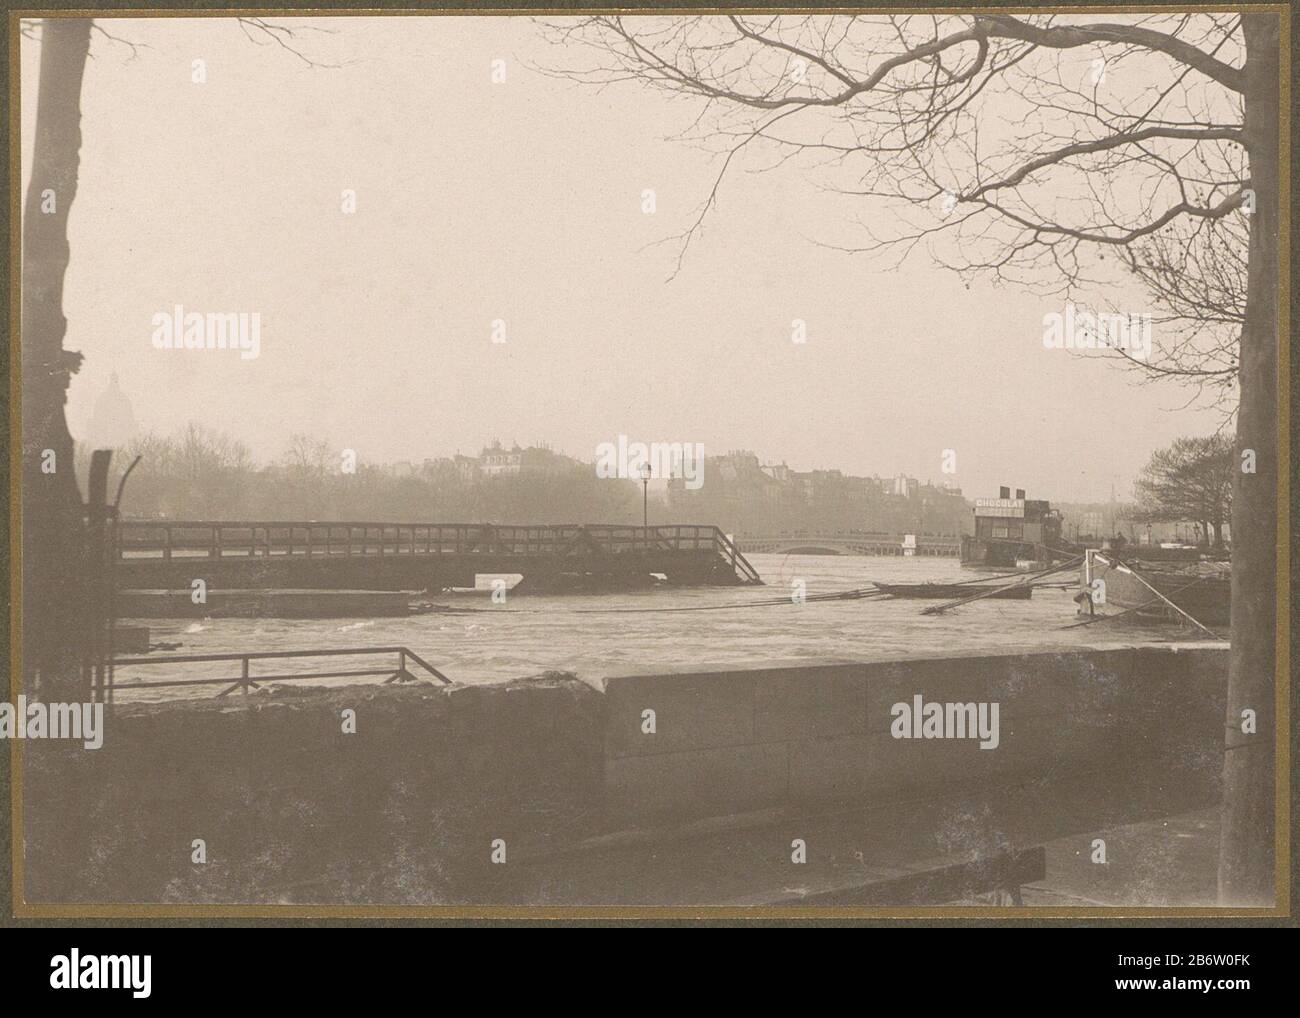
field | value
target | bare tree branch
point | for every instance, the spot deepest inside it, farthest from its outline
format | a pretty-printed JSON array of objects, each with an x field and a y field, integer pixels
[{"x": 980, "y": 141}]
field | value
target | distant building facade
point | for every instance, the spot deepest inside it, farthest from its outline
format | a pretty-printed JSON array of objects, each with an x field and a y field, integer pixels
[
  {"x": 745, "y": 496},
  {"x": 498, "y": 461}
]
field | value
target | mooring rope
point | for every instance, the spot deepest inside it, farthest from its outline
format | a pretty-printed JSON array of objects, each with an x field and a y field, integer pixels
[
  {"x": 1128, "y": 611},
  {"x": 935, "y": 609},
  {"x": 871, "y": 593},
  {"x": 859, "y": 594}
]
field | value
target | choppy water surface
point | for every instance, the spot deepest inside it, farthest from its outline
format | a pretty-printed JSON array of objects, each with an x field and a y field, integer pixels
[{"x": 531, "y": 634}]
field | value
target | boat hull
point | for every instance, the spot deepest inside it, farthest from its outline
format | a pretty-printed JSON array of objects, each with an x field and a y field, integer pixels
[
  {"x": 1206, "y": 598},
  {"x": 982, "y": 553}
]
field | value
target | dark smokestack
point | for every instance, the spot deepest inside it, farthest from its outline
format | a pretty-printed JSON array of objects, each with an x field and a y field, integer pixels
[
  {"x": 1020, "y": 493},
  {"x": 1004, "y": 493}
]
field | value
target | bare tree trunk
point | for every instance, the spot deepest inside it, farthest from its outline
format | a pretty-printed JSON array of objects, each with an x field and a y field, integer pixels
[
  {"x": 1246, "y": 858},
  {"x": 53, "y": 580}
]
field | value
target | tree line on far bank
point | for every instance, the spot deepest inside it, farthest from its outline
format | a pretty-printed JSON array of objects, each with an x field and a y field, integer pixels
[
  {"x": 199, "y": 473},
  {"x": 202, "y": 474}
]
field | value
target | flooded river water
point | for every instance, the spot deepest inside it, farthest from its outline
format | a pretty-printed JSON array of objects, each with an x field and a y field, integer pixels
[{"x": 596, "y": 636}]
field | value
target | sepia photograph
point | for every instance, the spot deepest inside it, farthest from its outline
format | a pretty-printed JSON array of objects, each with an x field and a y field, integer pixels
[{"x": 648, "y": 464}]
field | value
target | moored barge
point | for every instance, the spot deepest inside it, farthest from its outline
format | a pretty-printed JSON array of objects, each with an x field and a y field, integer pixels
[
  {"x": 1014, "y": 533},
  {"x": 1203, "y": 589}
]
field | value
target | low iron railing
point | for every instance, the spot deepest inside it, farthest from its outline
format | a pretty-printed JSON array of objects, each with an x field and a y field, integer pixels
[{"x": 246, "y": 680}]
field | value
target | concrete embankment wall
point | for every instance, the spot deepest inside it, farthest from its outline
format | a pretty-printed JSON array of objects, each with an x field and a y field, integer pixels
[
  {"x": 407, "y": 809},
  {"x": 292, "y": 809},
  {"x": 754, "y": 739}
]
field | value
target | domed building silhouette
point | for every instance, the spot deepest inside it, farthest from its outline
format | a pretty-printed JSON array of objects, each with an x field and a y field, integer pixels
[{"x": 112, "y": 422}]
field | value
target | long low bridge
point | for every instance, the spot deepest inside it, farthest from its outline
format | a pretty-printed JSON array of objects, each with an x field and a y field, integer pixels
[
  {"x": 418, "y": 556},
  {"x": 849, "y": 543}
]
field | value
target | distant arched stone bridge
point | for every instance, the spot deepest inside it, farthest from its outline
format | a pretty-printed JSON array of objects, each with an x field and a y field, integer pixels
[{"x": 846, "y": 544}]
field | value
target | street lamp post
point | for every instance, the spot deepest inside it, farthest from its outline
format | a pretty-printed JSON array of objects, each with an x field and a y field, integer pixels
[{"x": 645, "y": 494}]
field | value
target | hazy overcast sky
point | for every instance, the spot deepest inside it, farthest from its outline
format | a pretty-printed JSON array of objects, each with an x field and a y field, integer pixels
[{"x": 522, "y": 201}]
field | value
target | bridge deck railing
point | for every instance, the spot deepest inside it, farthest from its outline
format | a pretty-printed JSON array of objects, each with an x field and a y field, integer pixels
[{"x": 166, "y": 540}]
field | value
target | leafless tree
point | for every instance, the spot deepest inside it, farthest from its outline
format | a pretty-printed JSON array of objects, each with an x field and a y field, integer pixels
[
  {"x": 308, "y": 458},
  {"x": 1191, "y": 480},
  {"x": 54, "y": 591},
  {"x": 54, "y": 566},
  {"x": 1044, "y": 151}
]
